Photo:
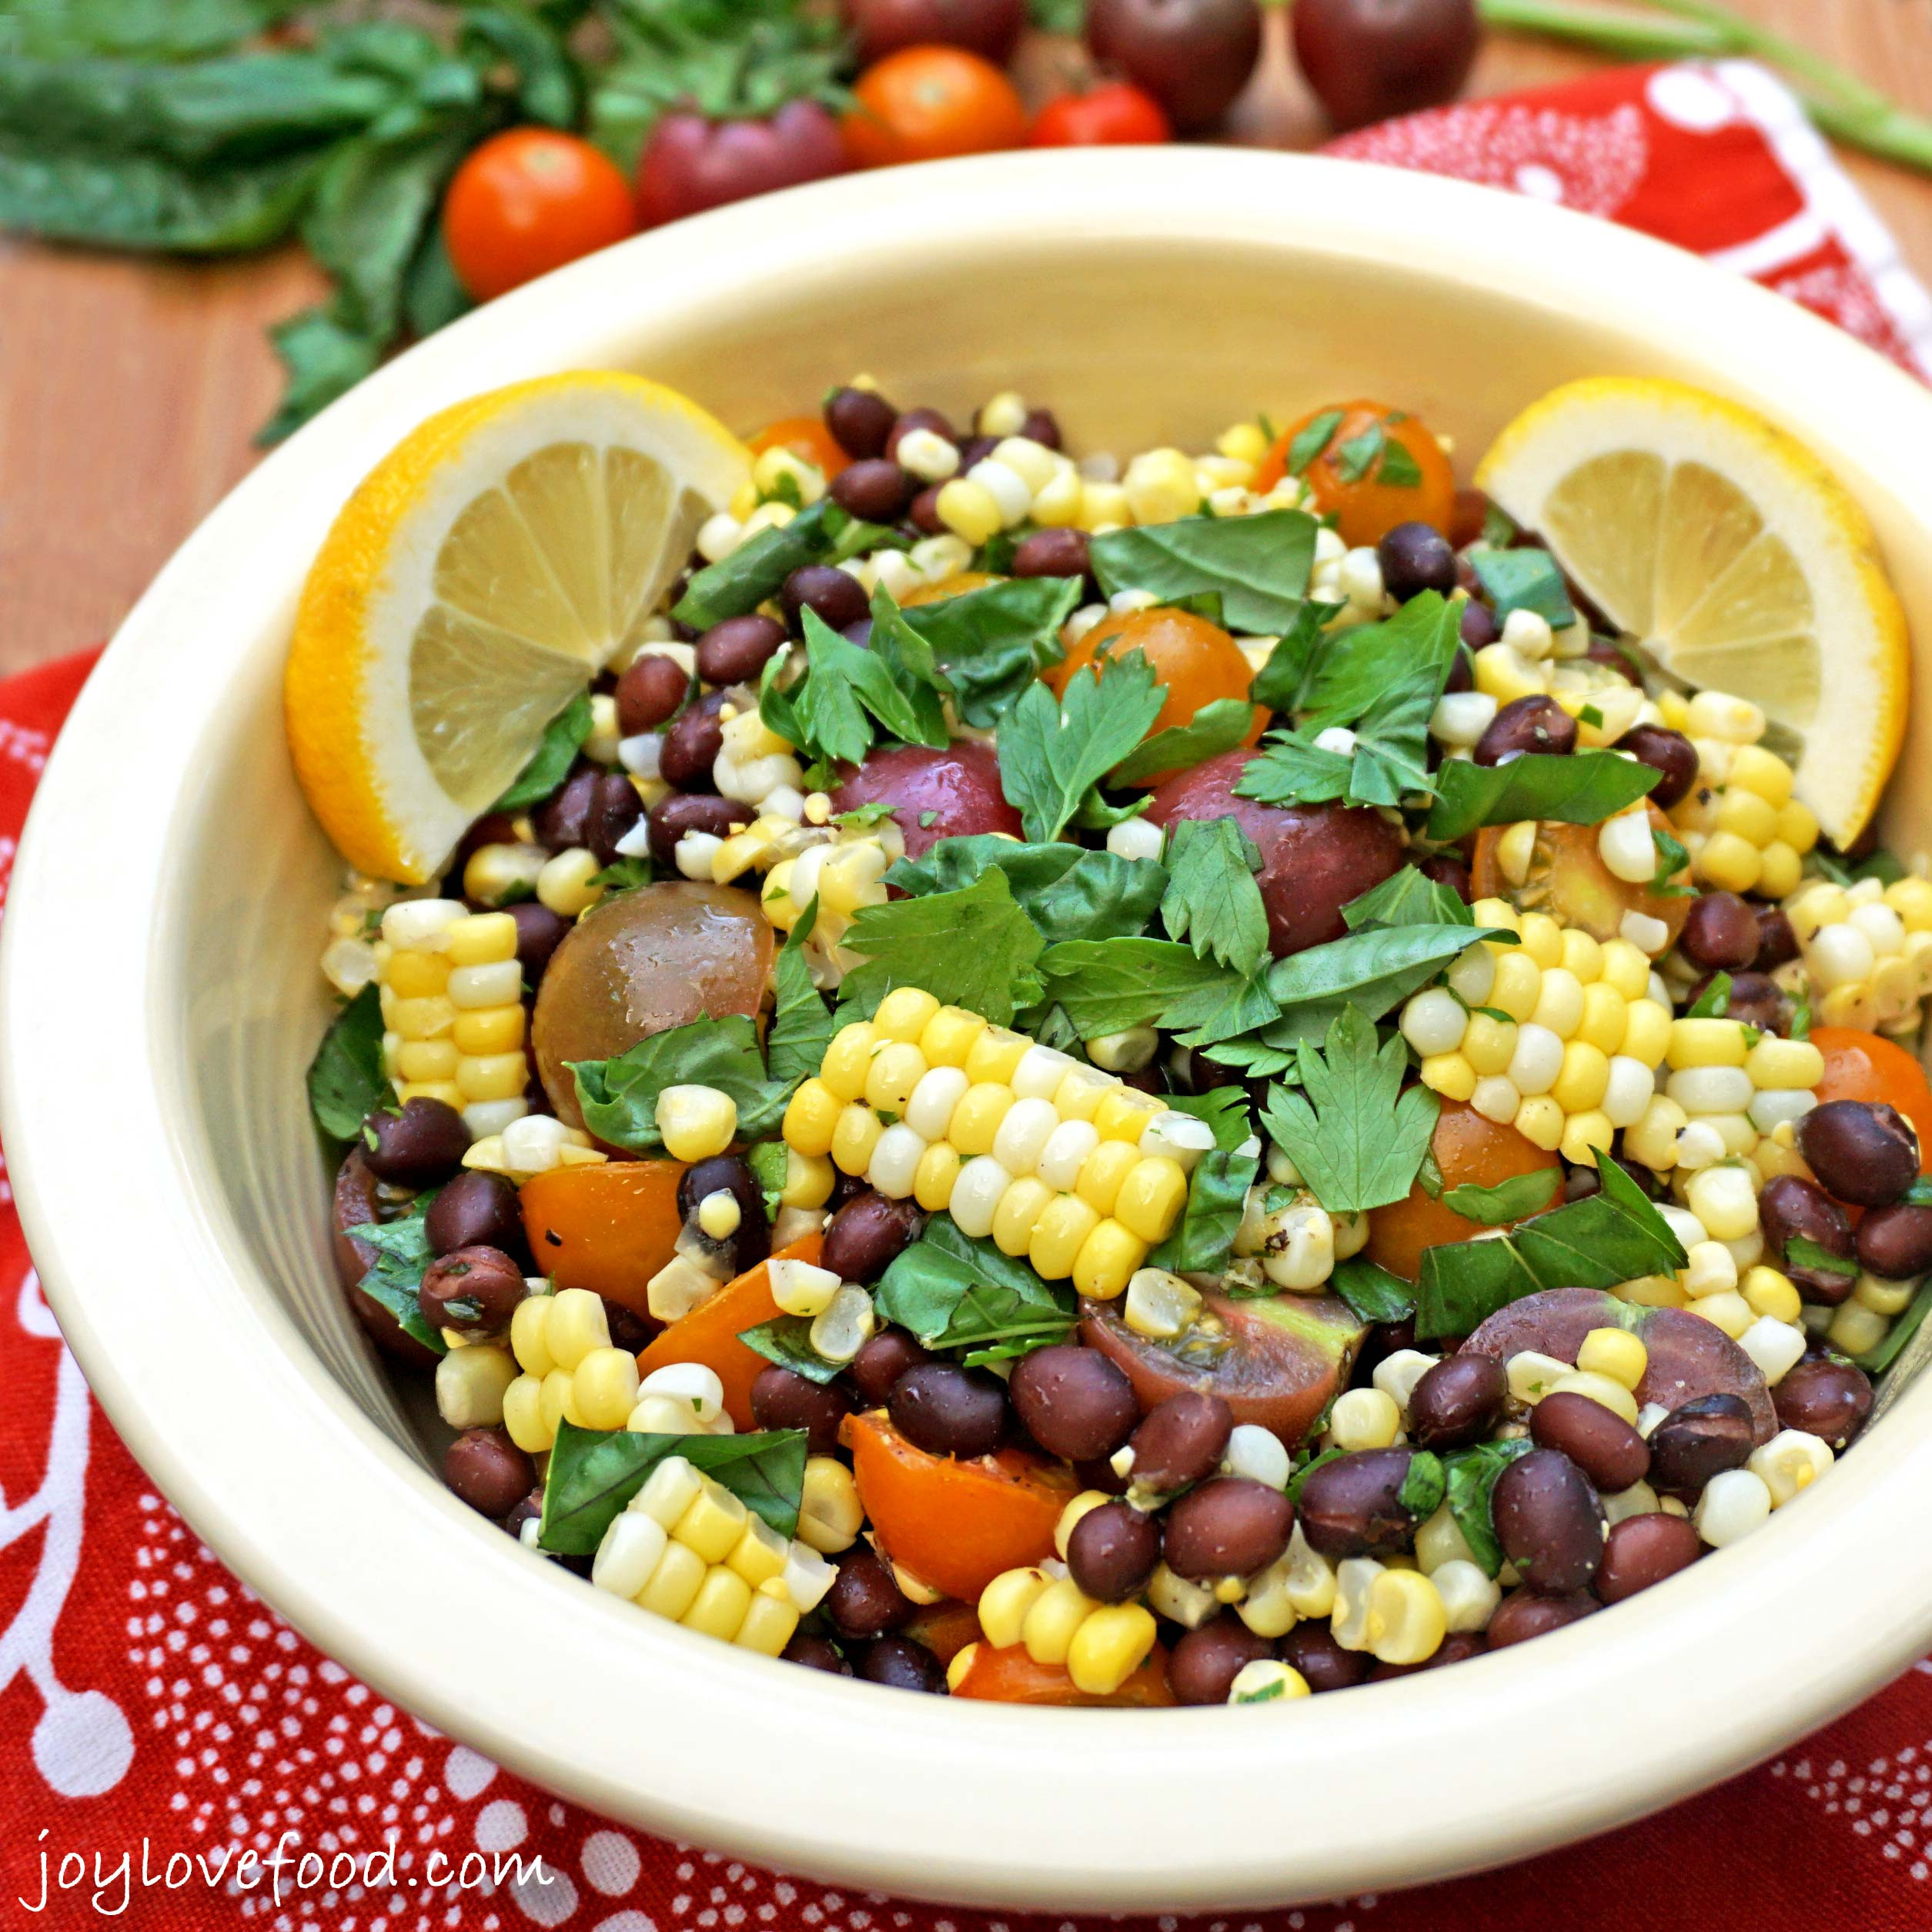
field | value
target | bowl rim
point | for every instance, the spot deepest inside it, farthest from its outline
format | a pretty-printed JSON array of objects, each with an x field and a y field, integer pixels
[{"x": 645, "y": 1723}]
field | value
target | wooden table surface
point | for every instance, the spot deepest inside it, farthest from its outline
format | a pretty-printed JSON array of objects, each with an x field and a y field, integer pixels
[{"x": 130, "y": 389}]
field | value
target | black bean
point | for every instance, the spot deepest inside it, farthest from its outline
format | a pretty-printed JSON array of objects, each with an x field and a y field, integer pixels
[
  {"x": 902, "y": 1664},
  {"x": 1041, "y": 426},
  {"x": 1719, "y": 932},
  {"x": 1311, "y": 1649},
  {"x": 1754, "y": 999},
  {"x": 473, "y": 1290},
  {"x": 1667, "y": 751},
  {"x": 1643, "y": 1550},
  {"x": 946, "y": 1410},
  {"x": 1789, "y": 1208},
  {"x": 422, "y": 1143},
  {"x": 1525, "y": 724},
  {"x": 865, "y": 1600},
  {"x": 1604, "y": 651},
  {"x": 1699, "y": 1439},
  {"x": 736, "y": 650},
  {"x": 1456, "y": 1401},
  {"x": 1181, "y": 1440},
  {"x": 874, "y": 491},
  {"x": 1458, "y": 1647},
  {"x": 1825, "y": 1397},
  {"x": 1112, "y": 1551},
  {"x": 1445, "y": 870},
  {"x": 650, "y": 690},
  {"x": 1477, "y": 628},
  {"x": 783, "y": 1398},
  {"x": 616, "y": 811},
  {"x": 1051, "y": 554},
  {"x": 817, "y": 1653},
  {"x": 1527, "y": 1613},
  {"x": 1415, "y": 557},
  {"x": 1549, "y": 1521},
  {"x": 1229, "y": 1527},
  {"x": 1778, "y": 945},
  {"x": 528, "y": 1509},
  {"x": 1601, "y": 1443},
  {"x": 976, "y": 448},
  {"x": 835, "y": 595},
  {"x": 559, "y": 821},
  {"x": 1896, "y": 1242},
  {"x": 908, "y": 420},
  {"x": 730, "y": 1173},
  {"x": 867, "y": 1234},
  {"x": 488, "y": 1471},
  {"x": 924, "y": 515},
  {"x": 1353, "y": 1507},
  {"x": 860, "y": 420},
  {"x": 630, "y": 1331},
  {"x": 883, "y": 1361},
  {"x": 1203, "y": 1666},
  {"x": 1074, "y": 1401},
  {"x": 692, "y": 744},
  {"x": 475, "y": 1210},
  {"x": 680, "y": 812},
  {"x": 540, "y": 932},
  {"x": 1861, "y": 1151},
  {"x": 1098, "y": 1472}
]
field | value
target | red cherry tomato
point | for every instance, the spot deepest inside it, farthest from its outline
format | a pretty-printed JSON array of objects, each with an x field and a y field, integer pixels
[
  {"x": 1359, "y": 475},
  {"x": 926, "y": 103},
  {"x": 528, "y": 201},
  {"x": 1116, "y": 114}
]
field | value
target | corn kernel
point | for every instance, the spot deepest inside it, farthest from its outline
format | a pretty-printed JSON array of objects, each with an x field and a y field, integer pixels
[
  {"x": 904, "y": 1014},
  {"x": 1519, "y": 979},
  {"x": 1107, "y": 1260},
  {"x": 1102, "y": 1172},
  {"x": 1052, "y": 1620},
  {"x": 1019, "y": 1210},
  {"x": 1005, "y": 1602},
  {"x": 1110, "y": 1645},
  {"x": 896, "y": 1068},
  {"x": 491, "y": 1030},
  {"x": 830, "y": 1514},
  {"x": 712, "y": 1523},
  {"x": 1123, "y": 1114},
  {"x": 416, "y": 976},
  {"x": 994, "y": 1057},
  {"x": 1540, "y": 1120},
  {"x": 1648, "y": 1029},
  {"x": 675, "y": 1583},
  {"x": 1150, "y": 1198},
  {"x": 1706, "y": 1043},
  {"x": 1729, "y": 862},
  {"x": 1616, "y": 1353},
  {"x": 854, "y": 1138},
  {"x": 769, "y": 1622},
  {"x": 1489, "y": 1045},
  {"x": 848, "y": 1060},
  {"x": 1059, "y": 1234},
  {"x": 696, "y": 1122},
  {"x": 1449, "y": 1074},
  {"x": 809, "y": 1180},
  {"x": 428, "y": 1062},
  {"x": 933, "y": 1178},
  {"x": 812, "y": 1117}
]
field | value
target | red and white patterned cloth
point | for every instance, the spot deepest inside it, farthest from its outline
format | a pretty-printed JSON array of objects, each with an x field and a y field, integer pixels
[{"x": 151, "y": 1706}]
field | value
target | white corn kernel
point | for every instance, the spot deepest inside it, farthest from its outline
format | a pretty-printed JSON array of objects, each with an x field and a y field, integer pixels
[
  {"x": 1160, "y": 1305},
  {"x": 1257, "y": 1453},
  {"x": 1469, "y": 1596},
  {"x": 1789, "y": 1463},
  {"x": 801, "y": 1288},
  {"x": 1182, "y": 1138},
  {"x": 928, "y": 455},
  {"x": 1397, "y": 1374},
  {"x": 1627, "y": 848},
  {"x": 1460, "y": 718},
  {"x": 689, "y": 1383},
  {"x": 1433, "y": 1022},
  {"x": 845, "y": 1326},
  {"x": 1134, "y": 838},
  {"x": 1734, "y": 1502}
]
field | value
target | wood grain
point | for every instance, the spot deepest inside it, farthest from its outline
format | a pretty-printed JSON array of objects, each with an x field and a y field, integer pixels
[{"x": 130, "y": 390}]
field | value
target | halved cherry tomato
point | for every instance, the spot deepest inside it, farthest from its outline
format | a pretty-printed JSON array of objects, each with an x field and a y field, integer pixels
[
  {"x": 1349, "y": 477},
  {"x": 1471, "y": 1151},
  {"x": 709, "y": 1333},
  {"x": 1194, "y": 662},
  {"x": 1116, "y": 114},
  {"x": 1866, "y": 1066},
  {"x": 925, "y": 103},
  {"x": 806, "y": 438},
  {"x": 955, "y": 586},
  {"x": 955, "y": 1522},
  {"x": 944, "y": 1627},
  {"x": 528, "y": 201},
  {"x": 1567, "y": 879},
  {"x": 607, "y": 1228},
  {"x": 1010, "y": 1676}
]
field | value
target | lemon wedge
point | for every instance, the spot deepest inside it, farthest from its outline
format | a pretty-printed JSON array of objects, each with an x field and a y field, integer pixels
[
  {"x": 1733, "y": 555},
  {"x": 494, "y": 561}
]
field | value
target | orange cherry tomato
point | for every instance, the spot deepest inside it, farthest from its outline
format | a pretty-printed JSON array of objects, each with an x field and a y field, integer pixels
[
  {"x": 528, "y": 201},
  {"x": 1567, "y": 879},
  {"x": 944, "y": 1627},
  {"x": 1866, "y": 1066},
  {"x": 955, "y": 1522},
  {"x": 709, "y": 1333},
  {"x": 806, "y": 438},
  {"x": 1348, "y": 477},
  {"x": 925, "y": 103},
  {"x": 1194, "y": 662},
  {"x": 957, "y": 585},
  {"x": 607, "y": 1228},
  {"x": 1010, "y": 1676},
  {"x": 1471, "y": 1151}
]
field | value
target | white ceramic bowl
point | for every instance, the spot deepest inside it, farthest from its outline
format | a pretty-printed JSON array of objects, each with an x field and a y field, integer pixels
[{"x": 161, "y": 999}]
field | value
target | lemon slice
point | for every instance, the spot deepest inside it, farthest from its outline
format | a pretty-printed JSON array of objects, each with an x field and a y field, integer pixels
[
  {"x": 1733, "y": 555},
  {"x": 486, "y": 568}
]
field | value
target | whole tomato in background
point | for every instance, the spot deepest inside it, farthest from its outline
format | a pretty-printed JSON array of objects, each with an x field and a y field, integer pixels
[
  {"x": 927, "y": 103},
  {"x": 1115, "y": 114},
  {"x": 528, "y": 201},
  {"x": 691, "y": 163},
  {"x": 1368, "y": 60},
  {"x": 989, "y": 29},
  {"x": 1194, "y": 56}
]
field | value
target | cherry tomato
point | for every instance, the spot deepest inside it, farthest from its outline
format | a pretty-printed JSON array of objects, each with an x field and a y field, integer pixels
[
  {"x": 609, "y": 1229},
  {"x": 1370, "y": 60},
  {"x": 691, "y": 162},
  {"x": 1567, "y": 879},
  {"x": 1194, "y": 56},
  {"x": 1866, "y": 1066},
  {"x": 1116, "y": 114},
  {"x": 1347, "y": 475},
  {"x": 527, "y": 202},
  {"x": 988, "y": 27},
  {"x": 925, "y": 103},
  {"x": 1196, "y": 662},
  {"x": 1471, "y": 1151},
  {"x": 806, "y": 438},
  {"x": 1010, "y": 1676}
]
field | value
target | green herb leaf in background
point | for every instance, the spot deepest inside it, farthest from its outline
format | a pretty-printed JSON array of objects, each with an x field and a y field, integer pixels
[
  {"x": 1108, "y": 985},
  {"x": 619, "y": 1096},
  {"x": 802, "y": 1023},
  {"x": 1311, "y": 440},
  {"x": 1203, "y": 1239},
  {"x": 1257, "y": 566},
  {"x": 1408, "y": 897},
  {"x": 1583, "y": 788},
  {"x": 1372, "y": 968},
  {"x": 1279, "y": 684},
  {"x": 1215, "y": 728},
  {"x": 755, "y": 570},
  {"x": 993, "y": 643},
  {"x": 1212, "y": 900},
  {"x": 1800, "y": 1251},
  {"x": 1373, "y": 1293},
  {"x": 346, "y": 1078},
  {"x": 1423, "y": 1487},
  {"x": 1714, "y": 1001},
  {"x": 550, "y": 763}
]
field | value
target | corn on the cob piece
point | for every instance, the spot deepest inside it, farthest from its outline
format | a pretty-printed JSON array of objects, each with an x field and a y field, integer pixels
[
  {"x": 1573, "y": 1061},
  {"x": 1057, "y": 1161},
  {"x": 687, "y": 1549},
  {"x": 351, "y": 959},
  {"x": 1867, "y": 950},
  {"x": 1744, "y": 831},
  {"x": 1101, "y": 1644},
  {"x": 1724, "y": 1095},
  {"x": 571, "y": 1372}
]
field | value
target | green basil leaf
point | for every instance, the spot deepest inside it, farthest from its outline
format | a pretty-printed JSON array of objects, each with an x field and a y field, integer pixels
[
  {"x": 403, "y": 1257},
  {"x": 594, "y": 1474},
  {"x": 619, "y": 1096},
  {"x": 1299, "y": 1481},
  {"x": 787, "y": 1341},
  {"x": 547, "y": 89},
  {"x": 992, "y": 643},
  {"x": 433, "y": 297},
  {"x": 1799, "y": 997},
  {"x": 1713, "y": 1003},
  {"x": 1212, "y": 900},
  {"x": 802, "y": 1023},
  {"x": 1215, "y": 728},
  {"x": 1672, "y": 859},
  {"x": 1108, "y": 985},
  {"x": 972, "y": 947},
  {"x": 1066, "y": 891},
  {"x": 1424, "y": 1486},
  {"x": 756, "y": 569},
  {"x": 1257, "y": 566},
  {"x": 1800, "y": 1251},
  {"x": 1358, "y": 668},
  {"x": 137, "y": 30},
  {"x": 1584, "y": 788},
  {"x": 1514, "y": 1199},
  {"x": 1054, "y": 752},
  {"x": 1372, "y": 1292},
  {"x": 1353, "y": 460},
  {"x": 1469, "y": 1476},
  {"x": 1372, "y": 968},
  {"x": 345, "y": 1078},
  {"x": 1204, "y": 1236},
  {"x": 1399, "y": 470},
  {"x": 550, "y": 763},
  {"x": 1311, "y": 440},
  {"x": 1279, "y": 683},
  {"x": 1408, "y": 897},
  {"x": 1525, "y": 579},
  {"x": 954, "y": 1292}
]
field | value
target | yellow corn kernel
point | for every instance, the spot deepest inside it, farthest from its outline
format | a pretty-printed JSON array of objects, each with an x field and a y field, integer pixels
[
  {"x": 1911, "y": 899},
  {"x": 1051, "y": 1619},
  {"x": 1502, "y": 673},
  {"x": 760, "y": 1554},
  {"x": 1005, "y": 1603},
  {"x": 1647, "y": 1031},
  {"x": 811, "y": 1118},
  {"x": 1584, "y": 1136},
  {"x": 1080, "y": 1092},
  {"x": 1542, "y": 939},
  {"x": 769, "y": 1622},
  {"x": 904, "y": 1014},
  {"x": 1585, "y": 1077},
  {"x": 493, "y": 1076},
  {"x": 896, "y": 1068},
  {"x": 962, "y": 1666},
  {"x": 830, "y": 1514},
  {"x": 1101, "y": 1173},
  {"x": 425, "y": 1062},
  {"x": 553, "y": 1398},
  {"x": 1496, "y": 915},
  {"x": 523, "y": 1416},
  {"x": 575, "y": 1325},
  {"x": 1070, "y": 1516},
  {"x": 481, "y": 939},
  {"x": 712, "y": 1523},
  {"x": 1601, "y": 1389},
  {"x": 1601, "y": 1023},
  {"x": 855, "y": 1137},
  {"x": 994, "y": 1055},
  {"x": 1583, "y": 955},
  {"x": 1110, "y": 1644},
  {"x": 1729, "y": 1311},
  {"x": 1488, "y": 1044},
  {"x": 604, "y": 1390},
  {"x": 1729, "y": 861},
  {"x": 1753, "y": 819},
  {"x": 809, "y": 1180},
  {"x": 1515, "y": 850},
  {"x": 422, "y": 1019},
  {"x": 1518, "y": 982},
  {"x": 1107, "y": 1260},
  {"x": 1852, "y": 1006},
  {"x": 1798, "y": 826},
  {"x": 1406, "y": 1621},
  {"x": 933, "y": 1178},
  {"x": 1883, "y": 1297},
  {"x": 529, "y": 1334},
  {"x": 969, "y": 510},
  {"x": 1780, "y": 868},
  {"x": 848, "y": 1060},
  {"x": 489, "y": 1030},
  {"x": 1540, "y": 1120},
  {"x": 1449, "y": 1074},
  {"x": 1123, "y": 1114},
  {"x": 1058, "y": 1236},
  {"x": 1150, "y": 1197},
  {"x": 1762, "y": 772},
  {"x": 445, "y": 1090},
  {"x": 1706, "y": 1043},
  {"x": 675, "y": 1583},
  {"x": 1020, "y": 1207},
  {"x": 1766, "y": 1291},
  {"x": 1616, "y": 1353},
  {"x": 413, "y": 975},
  {"x": 1625, "y": 967},
  {"x": 696, "y": 1122},
  {"x": 976, "y": 1120},
  {"x": 1775, "y": 1062}
]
